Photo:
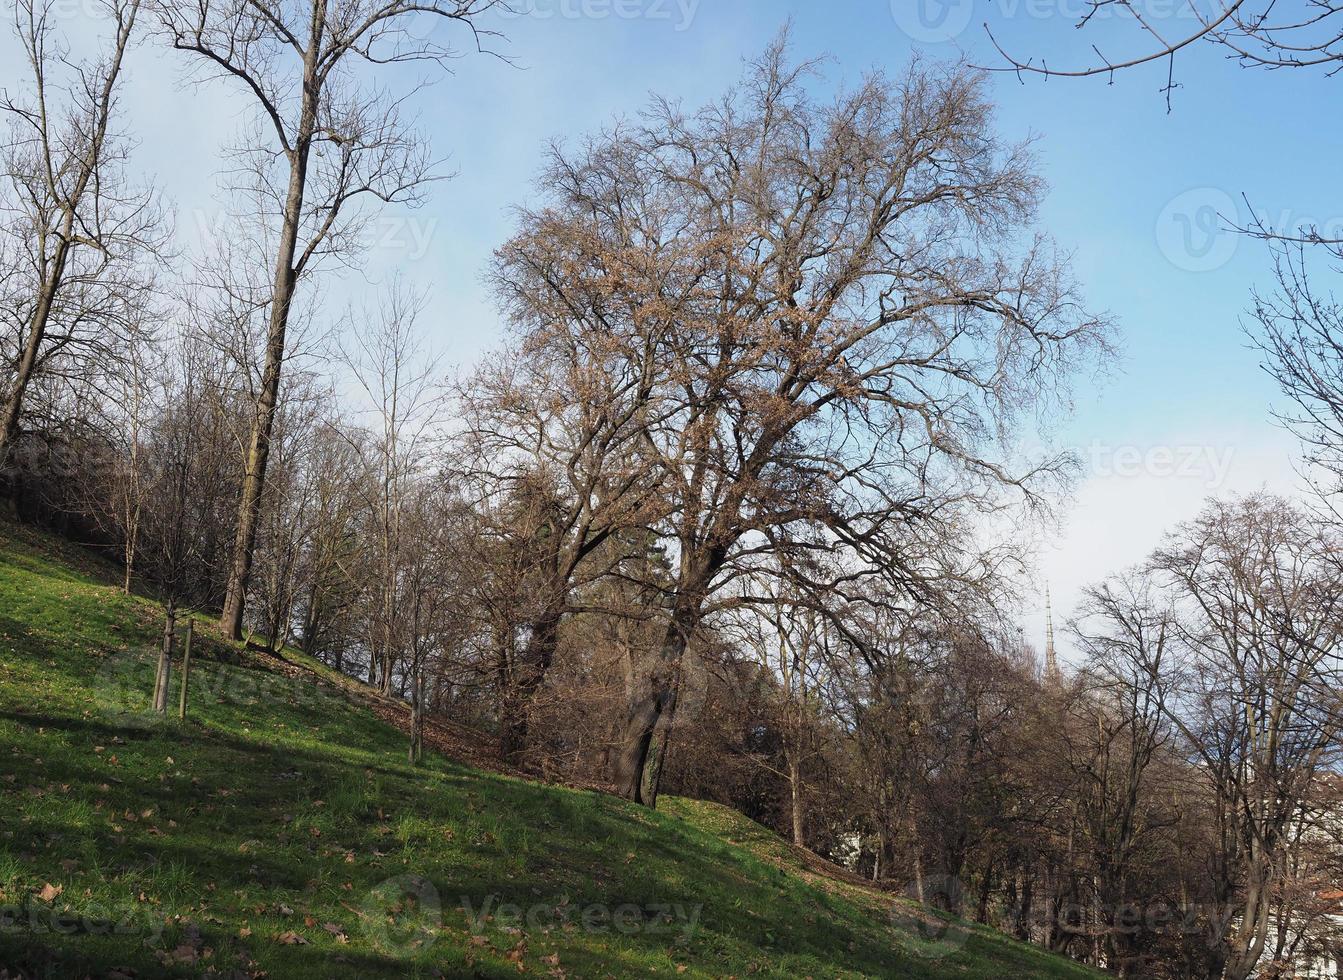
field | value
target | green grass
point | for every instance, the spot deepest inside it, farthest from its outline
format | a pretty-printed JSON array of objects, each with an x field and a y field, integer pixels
[{"x": 280, "y": 832}]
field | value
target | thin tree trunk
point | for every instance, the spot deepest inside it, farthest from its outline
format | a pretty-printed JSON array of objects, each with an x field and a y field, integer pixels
[
  {"x": 282, "y": 296},
  {"x": 985, "y": 893},
  {"x": 416, "y": 715},
  {"x": 1026, "y": 891},
  {"x": 186, "y": 670},
  {"x": 162, "y": 676},
  {"x": 37, "y": 330},
  {"x": 70, "y": 200},
  {"x": 132, "y": 538},
  {"x": 795, "y": 785},
  {"x": 651, "y": 699}
]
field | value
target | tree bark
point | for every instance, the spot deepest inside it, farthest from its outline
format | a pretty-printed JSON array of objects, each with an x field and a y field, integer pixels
[
  {"x": 654, "y": 697},
  {"x": 795, "y": 786},
  {"x": 416, "y": 716},
  {"x": 186, "y": 670},
  {"x": 282, "y": 295},
  {"x": 37, "y": 331},
  {"x": 527, "y": 679},
  {"x": 164, "y": 672},
  {"x": 55, "y": 271}
]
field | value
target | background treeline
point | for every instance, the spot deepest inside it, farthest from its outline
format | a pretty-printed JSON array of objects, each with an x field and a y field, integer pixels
[{"x": 738, "y": 507}]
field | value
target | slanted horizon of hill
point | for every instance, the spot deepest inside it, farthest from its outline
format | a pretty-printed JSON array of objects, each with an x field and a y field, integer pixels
[{"x": 280, "y": 832}]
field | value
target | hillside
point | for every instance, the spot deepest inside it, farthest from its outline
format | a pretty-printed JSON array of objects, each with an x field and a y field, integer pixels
[{"x": 281, "y": 833}]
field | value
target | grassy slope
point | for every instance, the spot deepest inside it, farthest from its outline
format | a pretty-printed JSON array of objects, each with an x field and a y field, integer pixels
[{"x": 257, "y": 838}]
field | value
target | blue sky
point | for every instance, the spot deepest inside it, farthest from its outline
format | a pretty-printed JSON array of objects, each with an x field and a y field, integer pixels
[{"x": 1133, "y": 191}]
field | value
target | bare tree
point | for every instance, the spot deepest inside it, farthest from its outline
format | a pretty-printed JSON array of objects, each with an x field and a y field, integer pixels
[
  {"x": 842, "y": 327},
  {"x": 76, "y": 236},
  {"x": 1114, "y": 739},
  {"x": 331, "y": 144},
  {"x": 792, "y": 644},
  {"x": 1256, "y": 586},
  {"x": 289, "y": 517},
  {"x": 1254, "y": 33},
  {"x": 1300, "y": 332},
  {"x": 430, "y": 625},
  {"x": 404, "y": 391},
  {"x": 330, "y": 562},
  {"x": 553, "y": 445}
]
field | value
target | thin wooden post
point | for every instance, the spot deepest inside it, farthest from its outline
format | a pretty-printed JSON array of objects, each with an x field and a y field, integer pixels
[
  {"x": 416, "y": 716},
  {"x": 186, "y": 670},
  {"x": 165, "y": 661}
]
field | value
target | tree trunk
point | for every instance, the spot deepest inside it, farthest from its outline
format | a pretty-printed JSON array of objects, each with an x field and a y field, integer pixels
[
  {"x": 416, "y": 716},
  {"x": 164, "y": 672},
  {"x": 1026, "y": 891},
  {"x": 282, "y": 296},
  {"x": 1247, "y": 948},
  {"x": 657, "y": 765},
  {"x": 653, "y": 693},
  {"x": 528, "y": 677},
  {"x": 387, "y": 662},
  {"x": 186, "y": 670},
  {"x": 985, "y": 893},
  {"x": 132, "y": 535},
  {"x": 795, "y": 785},
  {"x": 653, "y": 697},
  {"x": 27, "y": 365}
]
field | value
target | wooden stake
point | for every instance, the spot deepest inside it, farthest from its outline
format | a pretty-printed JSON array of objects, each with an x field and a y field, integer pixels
[{"x": 186, "y": 670}]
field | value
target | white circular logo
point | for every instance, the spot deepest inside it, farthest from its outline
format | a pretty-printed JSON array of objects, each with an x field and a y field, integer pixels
[
  {"x": 402, "y": 915},
  {"x": 932, "y": 21},
  {"x": 931, "y": 934},
  {"x": 123, "y": 687},
  {"x": 1193, "y": 230}
]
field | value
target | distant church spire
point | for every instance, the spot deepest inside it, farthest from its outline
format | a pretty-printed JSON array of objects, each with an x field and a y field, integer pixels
[{"x": 1051, "y": 658}]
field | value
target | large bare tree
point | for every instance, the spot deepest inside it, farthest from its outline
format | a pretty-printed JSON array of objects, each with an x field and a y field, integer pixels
[
  {"x": 837, "y": 307},
  {"x": 553, "y": 445},
  {"x": 75, "y": 234},
  {"x": 325, "y": 144},
  {"x": 1255, "y": 584},
  {"x": 402, "y": 388}
]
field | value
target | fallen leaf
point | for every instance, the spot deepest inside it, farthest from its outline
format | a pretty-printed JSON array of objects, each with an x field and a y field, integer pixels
[
  {"x": 291, "y": 938},
  {"x": 49, "y": 892}
]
